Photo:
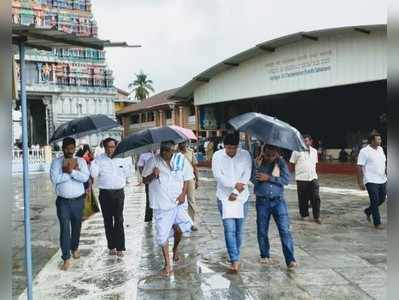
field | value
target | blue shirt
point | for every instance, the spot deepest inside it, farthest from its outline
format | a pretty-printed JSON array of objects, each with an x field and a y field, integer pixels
[
  {"x": 69, "y": 185},
  {"x": 274, "y": 187}
]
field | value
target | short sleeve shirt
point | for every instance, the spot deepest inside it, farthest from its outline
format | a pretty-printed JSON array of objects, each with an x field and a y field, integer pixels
[
  {"x": 305, "y": 164},
  {"x": 373, "y": 162}
]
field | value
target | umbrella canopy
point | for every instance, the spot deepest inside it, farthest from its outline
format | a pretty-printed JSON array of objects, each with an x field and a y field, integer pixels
[
  {"x": 147, "y": 139},
  {"x": 186, "y": 132},
  {"x": 269, "y": 130},
  {"x": 83, "y": 126}
]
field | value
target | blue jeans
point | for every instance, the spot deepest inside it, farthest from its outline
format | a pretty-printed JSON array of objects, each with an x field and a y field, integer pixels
[
  {"x": 69, "y": 213},
  {"x": 377, "y": 194},
  {"x": 233, "y": 233},
  {"x": 278, "y": 209}
]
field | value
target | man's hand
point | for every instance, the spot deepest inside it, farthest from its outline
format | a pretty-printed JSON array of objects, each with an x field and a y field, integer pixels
[
  {"x": 239, "y": 186},
  {"x": 196, "y": 183},
  {"x": 180, "y": 200},
  {"x": 232, "y": 197},
  {"x": 68, "y": 166},
  {"x": 156, "y": 172},
  {"x": 262, "y": 176},
  {"x": 362, "y": 187}
]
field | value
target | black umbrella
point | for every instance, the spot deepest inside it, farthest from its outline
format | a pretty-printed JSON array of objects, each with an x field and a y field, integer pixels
[
  {"x": 269, "y": 130},
  {"x": 147, "y": 139},
  {"x": 83, "y": 126}
]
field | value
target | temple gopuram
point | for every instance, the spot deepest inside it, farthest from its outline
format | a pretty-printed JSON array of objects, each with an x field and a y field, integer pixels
[{"x": 63, "y": 84}]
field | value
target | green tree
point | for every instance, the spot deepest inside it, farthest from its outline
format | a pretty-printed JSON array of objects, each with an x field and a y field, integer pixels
[{"x": 141, "y": 86}]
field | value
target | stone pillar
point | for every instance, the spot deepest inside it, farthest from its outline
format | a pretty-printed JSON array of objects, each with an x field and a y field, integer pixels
[
  {"x": 125, "y": 124},
  {"x": 197, "y": 120},
  {"x": 161, "y": 118},
  {"x": 47, "y": 107},
  {"x": 156, "y": 118},
  {"x": 173, "y": 113},
  {"x": 181, "y": 116}
]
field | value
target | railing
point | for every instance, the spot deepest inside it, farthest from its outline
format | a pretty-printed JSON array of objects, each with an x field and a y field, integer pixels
[{"x": 35, "y": 156}]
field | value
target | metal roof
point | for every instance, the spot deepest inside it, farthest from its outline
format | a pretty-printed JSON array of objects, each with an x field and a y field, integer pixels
[
  {"x": 47, "y": 39},
  {"x": 186, "y": 91}
]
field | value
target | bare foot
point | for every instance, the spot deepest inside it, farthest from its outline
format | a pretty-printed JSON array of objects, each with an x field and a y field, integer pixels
[
  {"x": 112, "y": 252},
  {"x": 166, "y": 272},
  {"x": 119, "y": 253},
  {"x": 233, "y": 269},
  {"x": 66, "y": 265},
  {"x": 76, "y": 254}
]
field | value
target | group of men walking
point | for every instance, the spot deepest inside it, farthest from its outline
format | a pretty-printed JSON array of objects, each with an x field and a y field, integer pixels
[{"x": 171, "y": 178}]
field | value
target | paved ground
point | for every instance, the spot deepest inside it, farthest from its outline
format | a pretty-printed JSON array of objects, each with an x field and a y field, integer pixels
[{"x": 344, "y": 258}]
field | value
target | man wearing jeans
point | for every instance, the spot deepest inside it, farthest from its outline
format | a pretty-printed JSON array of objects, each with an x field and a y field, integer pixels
[
  {"x": 68, "y": 174},
  {"x": 270, "y": 177},
  {"x": 231, "y": 168},
  {"x": 372, "y": 176}
]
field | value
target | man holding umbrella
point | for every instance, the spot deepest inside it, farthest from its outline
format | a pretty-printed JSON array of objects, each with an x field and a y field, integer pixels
[
  {"x": 269, "y": 177},
  {"x": 168, "y": 175},
  {"x": 112, "y": 175},
  {"x": 68, "y": 174}
]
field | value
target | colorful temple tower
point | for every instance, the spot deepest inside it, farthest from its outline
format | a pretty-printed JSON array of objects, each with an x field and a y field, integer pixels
[{"x": 63, "y": 84}]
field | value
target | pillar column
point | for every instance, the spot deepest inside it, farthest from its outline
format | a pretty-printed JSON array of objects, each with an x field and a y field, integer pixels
[
  {"x": 161, "y": 118},
  {"x": 181, "y": 117},
  {"x": 156, "y": 118},
  {"x": 197, "y": 120}
]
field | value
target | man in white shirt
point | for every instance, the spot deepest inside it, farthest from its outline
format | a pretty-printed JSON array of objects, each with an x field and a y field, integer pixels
[
  {"x": 372, "y": 176},
  {"x": 232, "y": 169},
  {"x": 143, "y": 158},
  {"x": 111, "y": 175},
  {"x": 307, "y": 180},
  {"x": 168, "y": 175},
  {"x": 68, "y": 174}
]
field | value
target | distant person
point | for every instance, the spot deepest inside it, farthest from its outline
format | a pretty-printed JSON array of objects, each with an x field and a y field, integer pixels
[
  {"x": 112, "y": 175},
  {"x": 232, "y": 168},
  {"x": 68, "y": 174},
  {"x": 372, "y": 176},
  {"x": 168, "y": 176},
  {"x": 209, "y": 148},
  {"x": 192, "y": 184},
  {"x": 91, "y": 205},
  {"x": 343, "y": 156},
  {"x": 269, "y": 177},
  {"x": 307, "y": 180},
  {"x": 143, "y": 159}
]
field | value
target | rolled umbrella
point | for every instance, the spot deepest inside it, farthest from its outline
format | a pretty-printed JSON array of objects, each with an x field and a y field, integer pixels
[
  {"x": 186, "y": 132},
  {"x": 83, "y": 126},
  {"x": 269, "y": 130},
  {"x": 147, "y": 139}
]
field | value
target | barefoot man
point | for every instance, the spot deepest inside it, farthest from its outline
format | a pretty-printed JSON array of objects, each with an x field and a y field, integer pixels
[
  {"x": 232, "y": 168},
  {"x": 68, "y": 174},
  {"x": 167, "y": 175}
]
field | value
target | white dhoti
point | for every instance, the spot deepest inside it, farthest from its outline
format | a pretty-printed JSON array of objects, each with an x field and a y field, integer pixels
[{"x": 165, "y": 219}]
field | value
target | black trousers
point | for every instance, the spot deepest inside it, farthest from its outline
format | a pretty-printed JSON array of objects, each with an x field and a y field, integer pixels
[
  {"x": 112, "y": 202},
  {"x": 377, "y": 194},
  {"x": 308, "y": 191},
  {"x": 148, "y": 209}
]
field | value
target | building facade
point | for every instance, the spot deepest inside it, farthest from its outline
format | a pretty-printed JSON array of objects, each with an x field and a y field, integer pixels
[
  {"x": 328, "y": 83},
  {"x": 67, "y": 83},
  {"x": 157, "y": 111}
]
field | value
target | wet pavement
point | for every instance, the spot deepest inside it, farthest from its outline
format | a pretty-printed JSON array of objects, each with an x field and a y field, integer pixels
[{"x": 344, "y": 258}]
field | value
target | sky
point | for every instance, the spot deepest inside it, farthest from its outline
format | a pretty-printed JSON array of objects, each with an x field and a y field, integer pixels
[{"x": 182, "y": 38}]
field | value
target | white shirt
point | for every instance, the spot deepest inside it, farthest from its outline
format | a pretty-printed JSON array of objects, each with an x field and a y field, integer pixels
[
  {"x": 228, "y": 171},
  {"x": 164, "y": 191},
  {"x": 305, "y": 164},
  {"x": 373, "y": 162},
  {"x": 144, "y": 157},
  {"x": 69, "y": 185},
  {"x": 112, "y": 173}
]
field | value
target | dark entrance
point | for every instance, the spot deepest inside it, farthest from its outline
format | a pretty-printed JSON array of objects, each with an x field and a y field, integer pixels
[{"x": 37, "y": 130}]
